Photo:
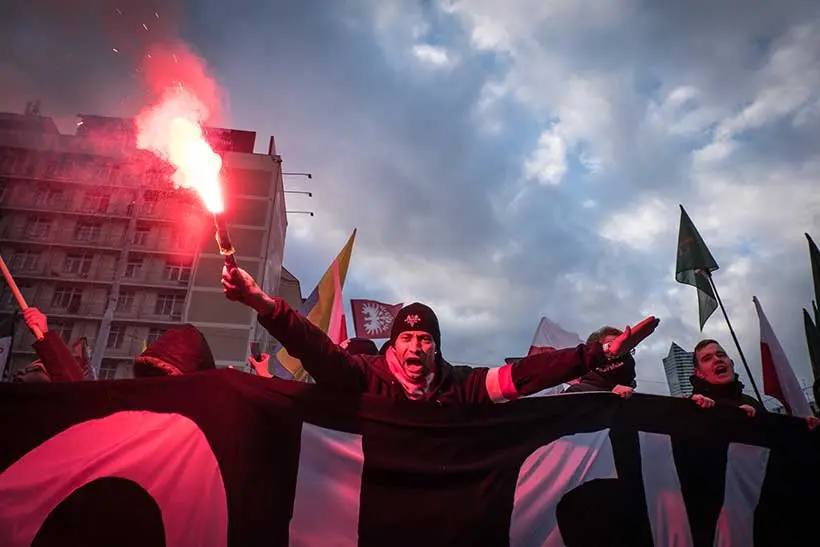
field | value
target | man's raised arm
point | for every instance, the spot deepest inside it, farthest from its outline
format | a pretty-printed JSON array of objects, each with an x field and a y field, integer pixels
[
  {"x": 540, "y": 371},
  {"x": 326, "y": 362}
]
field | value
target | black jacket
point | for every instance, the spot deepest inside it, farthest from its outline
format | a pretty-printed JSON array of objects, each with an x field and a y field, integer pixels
[
  {"x": 618, "y": 373},
  {"x": 726, "y": 394}
]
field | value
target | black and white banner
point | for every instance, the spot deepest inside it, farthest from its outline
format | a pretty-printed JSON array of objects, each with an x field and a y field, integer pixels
[{"x": 224, "y": 458}]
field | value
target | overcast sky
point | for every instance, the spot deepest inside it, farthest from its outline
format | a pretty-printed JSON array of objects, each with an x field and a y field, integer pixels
[{"x": 502, "y": 160}]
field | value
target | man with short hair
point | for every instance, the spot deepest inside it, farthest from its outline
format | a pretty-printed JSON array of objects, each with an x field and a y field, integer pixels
[
  {"x": 618, "y": 377},
  {"x": 412, "y": 366},
  {"x": 715, "y": 382}
]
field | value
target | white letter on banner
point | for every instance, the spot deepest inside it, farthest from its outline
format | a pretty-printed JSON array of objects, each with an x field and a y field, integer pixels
[
  {"x": 664, "y": 501},
  {"x": 547, "y": 475},
  {"x": 328, "y": 488},
  {"x": 166, "y": 454},
  {"x": 745, "y": 472}
]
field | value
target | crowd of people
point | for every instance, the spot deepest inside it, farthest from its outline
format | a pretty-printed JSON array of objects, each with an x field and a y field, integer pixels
[{"x": 410, "y": 364}]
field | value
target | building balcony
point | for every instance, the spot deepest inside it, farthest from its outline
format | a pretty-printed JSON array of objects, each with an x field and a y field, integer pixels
[
  {"x": 94, "y": 311},
  {"x": 64, "y": 206},
  {"x": 155, "y": 279},
  {"x": 164, "y": 246},
  {"x": 85, "y": 175},
  {"x": 147, "y": 316},
  {"x": 103, "y": 240},
  {"x": 80, "y": 310},
  {"x": 46, "y": 272}
]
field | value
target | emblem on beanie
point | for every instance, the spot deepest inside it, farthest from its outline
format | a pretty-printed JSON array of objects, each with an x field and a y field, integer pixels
[{"x": 412, "y": 320}]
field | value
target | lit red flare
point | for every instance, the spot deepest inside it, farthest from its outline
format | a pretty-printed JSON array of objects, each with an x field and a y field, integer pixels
[{"x": 171, "y": 129}]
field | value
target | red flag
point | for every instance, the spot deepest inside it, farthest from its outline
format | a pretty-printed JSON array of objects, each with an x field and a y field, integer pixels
[
  {"x": 550, "y": 336},
  {"x": 373, "y": 319},
  {"x": 779, "y": 380}
]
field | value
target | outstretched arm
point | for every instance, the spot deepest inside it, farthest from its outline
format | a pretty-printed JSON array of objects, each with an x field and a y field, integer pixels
[
  {"x": 543, "y": 370},
  {"x": 326, "y": 362}
]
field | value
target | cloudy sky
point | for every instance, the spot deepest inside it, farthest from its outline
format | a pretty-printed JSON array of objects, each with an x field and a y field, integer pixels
[{"x": 501, "y": 160}]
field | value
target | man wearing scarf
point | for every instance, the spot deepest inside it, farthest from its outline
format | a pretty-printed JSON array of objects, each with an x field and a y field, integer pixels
[{"x": 412, "y": 366}]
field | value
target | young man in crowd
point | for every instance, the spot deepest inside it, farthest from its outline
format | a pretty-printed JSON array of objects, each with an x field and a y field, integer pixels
[
  {"x": 715, "y": 382},
  {"x": 412, "y": 367}
]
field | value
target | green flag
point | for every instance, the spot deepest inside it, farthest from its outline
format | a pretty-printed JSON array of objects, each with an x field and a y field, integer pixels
[
  {"x": 694, "y": 260},
  {"x": 814, "y": 254},
  {"x": 813, "y": 342},
  {"x": 816, "y": 314}
]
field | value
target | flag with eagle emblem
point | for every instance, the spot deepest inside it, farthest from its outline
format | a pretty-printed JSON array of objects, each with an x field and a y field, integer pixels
[{"x": 373, "y": 319}]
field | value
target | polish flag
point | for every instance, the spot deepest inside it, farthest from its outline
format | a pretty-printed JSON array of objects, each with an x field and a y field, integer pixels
[
  {"x": 779, "y": 380},
  {"x": 337, "y": 329},
  {"x": 549, "y": 336}
]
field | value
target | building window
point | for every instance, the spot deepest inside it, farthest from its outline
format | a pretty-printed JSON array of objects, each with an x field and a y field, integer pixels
[
  {"x": 177, "y": 271},
  {"x": 7, "y": 297},
  {"x": 37, "y": 227},
  {"x": 125, "y": 301},
  {"x": 48, "y": 196},
  {"x": 25, "y": 261},
  {"x": 77, "y": 264},
  {"x": 169, "y": 304},
  {"x": 133, "y": 268},
  {"x": 67, "y": 298},
  {"x": 153, "y": 335},
  {"x": 96, "y": 202},
  {"x": 64, "y": 329},
  {"x": 108, "y": 369},
  {"x": 87, "y": 231},
  {"x": 116, "y": 336},
  {"x": 149, "y": 201},
  {"x": 141, "y": 235},
  {"x": 3, "y": 188},
  {"x": 182, "y": 240}
]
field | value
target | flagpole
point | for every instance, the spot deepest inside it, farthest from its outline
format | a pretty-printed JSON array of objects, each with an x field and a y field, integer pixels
[{"x": 708, "y": 275}]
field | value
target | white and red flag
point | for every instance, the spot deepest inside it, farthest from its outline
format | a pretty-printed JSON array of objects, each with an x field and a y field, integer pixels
[
  {"x": 550, "y": 336},
  {"x": 372, "y": 319},
  {"x": 779, "y": 380}
]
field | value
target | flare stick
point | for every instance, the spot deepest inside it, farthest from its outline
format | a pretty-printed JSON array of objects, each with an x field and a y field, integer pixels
[{"x": 223, "y": 240}]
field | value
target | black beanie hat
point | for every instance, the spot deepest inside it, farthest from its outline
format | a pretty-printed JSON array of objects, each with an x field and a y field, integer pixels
[
  {"x": 417, "y": 316},
  {"x": 362, "y": 346}
]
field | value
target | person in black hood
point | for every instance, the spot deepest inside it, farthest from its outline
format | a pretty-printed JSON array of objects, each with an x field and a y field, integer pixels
[
  {"x": 618, "y": 377},
  {"x": 181, "y": 350}
]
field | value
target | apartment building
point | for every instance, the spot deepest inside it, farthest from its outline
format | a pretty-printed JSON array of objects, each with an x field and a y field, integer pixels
[{"x": 87, "y": 216}]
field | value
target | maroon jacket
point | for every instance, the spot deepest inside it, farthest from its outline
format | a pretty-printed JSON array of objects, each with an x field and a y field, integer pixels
[
  {"x": 57, "y": 359},
  {"x": 330, "y": 365}
]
